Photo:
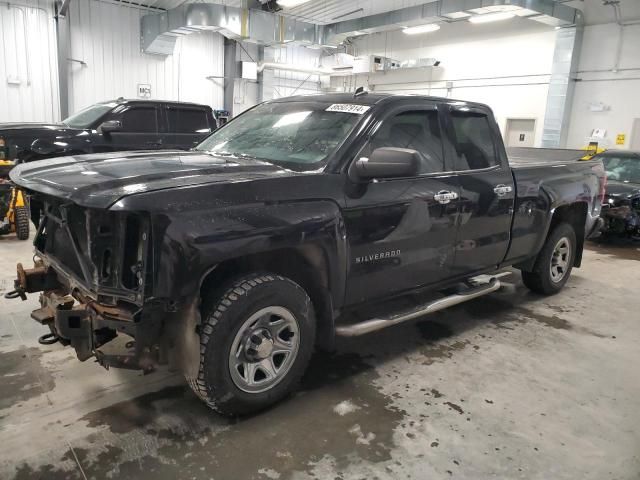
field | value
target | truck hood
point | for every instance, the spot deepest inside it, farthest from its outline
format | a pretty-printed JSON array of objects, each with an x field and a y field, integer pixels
[
  {"x": 99, "y": 180},
  {"x": 622, "y": 189},
  {"x": 620, "y": 193}
]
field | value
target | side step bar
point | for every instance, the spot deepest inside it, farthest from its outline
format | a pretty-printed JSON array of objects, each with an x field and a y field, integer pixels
[{"x": 374, "y": 324}]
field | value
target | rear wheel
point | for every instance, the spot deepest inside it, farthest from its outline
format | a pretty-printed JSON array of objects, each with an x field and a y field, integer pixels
[
  {"x": 255, "y": 343},
  {"x": 22, "y": 222},
  {"x": 554, "y": 263}
]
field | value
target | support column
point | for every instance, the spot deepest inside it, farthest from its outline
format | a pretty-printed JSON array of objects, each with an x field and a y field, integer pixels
[
  {"x": 230, "y": 73},
  {"x": 562, "y": 85},
  {"x": 62, "y": 42}
]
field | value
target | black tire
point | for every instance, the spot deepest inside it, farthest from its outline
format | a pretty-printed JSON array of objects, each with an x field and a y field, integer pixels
[
  {"x": 540, "y": 278},
  {"x": 223, "y": 316},
  {"x": 22, "y": 222}
]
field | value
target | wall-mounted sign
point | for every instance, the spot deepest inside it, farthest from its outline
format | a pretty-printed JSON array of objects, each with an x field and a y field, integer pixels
[
  {"x": 620, "y": 138},
  {"x": 144, "y": 90}
]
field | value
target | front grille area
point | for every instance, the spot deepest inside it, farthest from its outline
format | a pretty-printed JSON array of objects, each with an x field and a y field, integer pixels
[{"x": 103, "y": 252}]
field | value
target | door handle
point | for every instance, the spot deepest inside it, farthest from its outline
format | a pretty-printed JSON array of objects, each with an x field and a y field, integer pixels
[
  {"x": 445, "y": 196},
  {"x": 501, "y": 190}
]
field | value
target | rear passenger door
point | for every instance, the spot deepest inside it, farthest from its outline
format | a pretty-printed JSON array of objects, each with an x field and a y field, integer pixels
[
  {"x": 402, "y": 231},
  {"x": 487, "y": 190},
  {"x": 141, "y": 127},
  {"x": 186, "y": 126}
]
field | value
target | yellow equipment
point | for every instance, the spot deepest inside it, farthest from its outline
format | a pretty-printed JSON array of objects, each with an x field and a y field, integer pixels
[
  {"x": 592, "y": 150},
  {"x": 14, "y": 207}
]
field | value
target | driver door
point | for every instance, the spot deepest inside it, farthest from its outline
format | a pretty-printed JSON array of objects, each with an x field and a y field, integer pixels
[{"x": 402, "y": 231}]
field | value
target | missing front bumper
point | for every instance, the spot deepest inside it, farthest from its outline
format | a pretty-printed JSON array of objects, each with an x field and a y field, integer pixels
[{"x": 91, "y": 333}]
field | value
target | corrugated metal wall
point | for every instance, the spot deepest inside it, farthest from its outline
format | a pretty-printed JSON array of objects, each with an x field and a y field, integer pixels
[
  {"x": 107, "y": 38},
  {"x": 28, "y": 69},
  {"x": 283, "y": 83}
]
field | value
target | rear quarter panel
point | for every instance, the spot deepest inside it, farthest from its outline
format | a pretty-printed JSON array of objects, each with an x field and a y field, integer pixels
[{"x": 541, "y": 188}]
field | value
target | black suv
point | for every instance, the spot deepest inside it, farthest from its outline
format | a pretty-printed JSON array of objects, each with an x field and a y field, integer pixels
[{"x": 110, "y": 126}]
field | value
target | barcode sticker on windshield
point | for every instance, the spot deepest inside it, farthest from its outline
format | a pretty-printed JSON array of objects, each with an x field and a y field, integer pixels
[{"x": 348, "y": 108}]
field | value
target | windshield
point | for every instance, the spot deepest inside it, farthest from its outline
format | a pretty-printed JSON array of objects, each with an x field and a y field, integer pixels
[
  {"x": 301, "y": 135},
  {"x": 622, "y": 169},
  {"x": 87, "y": 117}
]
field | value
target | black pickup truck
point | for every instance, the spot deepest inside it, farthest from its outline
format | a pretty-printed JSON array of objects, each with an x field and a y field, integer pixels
[
  {"x": 233, "y": 261},
  {"x": 107, "y": 127}
]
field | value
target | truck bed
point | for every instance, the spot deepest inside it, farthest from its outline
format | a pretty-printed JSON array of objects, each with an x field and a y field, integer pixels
[{"x": 528, "y": 156}]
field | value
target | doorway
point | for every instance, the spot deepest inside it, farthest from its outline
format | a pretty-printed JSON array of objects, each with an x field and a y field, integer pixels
[
  {"x": 635, "y": 135},
  {"x": 520, "y": 132}
]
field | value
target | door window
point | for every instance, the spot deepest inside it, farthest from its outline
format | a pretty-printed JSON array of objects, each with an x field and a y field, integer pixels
[
  {"x": 473, "y": 140},
  {"x": 140, "y": 120},
  {"x": 418, "y": 130},
  {"x": 187, "y": 120}
]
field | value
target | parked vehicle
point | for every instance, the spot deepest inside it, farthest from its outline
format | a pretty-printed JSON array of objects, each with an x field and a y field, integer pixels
[
  {"x": 108, "y": 127},
  {"x": 14, "y": 208},
  {"x": 231, "y": 262},
  {"x": 621, "y": 207}
]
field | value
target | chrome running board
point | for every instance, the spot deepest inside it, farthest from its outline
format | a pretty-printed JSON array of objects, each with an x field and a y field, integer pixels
[{"x": 373, "y": 324}]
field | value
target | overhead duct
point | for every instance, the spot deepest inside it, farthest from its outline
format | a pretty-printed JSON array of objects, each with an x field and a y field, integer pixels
[{"x": 160, "y": 31}]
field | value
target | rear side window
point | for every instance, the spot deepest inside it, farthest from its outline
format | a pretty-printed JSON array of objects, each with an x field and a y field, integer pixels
[
  {"x": 140, "y": 120},
  {"x": 187, "y": 120},
  {"x": 416, "y": 129},
  {"x": 473, "y": 140}
]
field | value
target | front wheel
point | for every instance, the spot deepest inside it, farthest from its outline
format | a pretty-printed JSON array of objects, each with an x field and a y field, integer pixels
[
  {"x": 255, "y": 343},
  {"x": 554, "y": 263}
]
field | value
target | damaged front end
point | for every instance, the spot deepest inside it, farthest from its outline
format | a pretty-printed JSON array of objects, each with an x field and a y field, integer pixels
[
  {"x": 94, "y": 269},
  {"x": 621, "y": 215}
]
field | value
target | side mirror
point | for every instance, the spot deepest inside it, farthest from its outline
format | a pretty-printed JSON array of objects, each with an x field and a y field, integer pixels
[
  {"x": 110, "y": 126},
  {"x": 386, "y": 162}
]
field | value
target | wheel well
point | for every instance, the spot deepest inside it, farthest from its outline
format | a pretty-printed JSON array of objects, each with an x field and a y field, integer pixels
[
  {"x": 306, "y": 266},
  {"x": 575, "y": 215}
]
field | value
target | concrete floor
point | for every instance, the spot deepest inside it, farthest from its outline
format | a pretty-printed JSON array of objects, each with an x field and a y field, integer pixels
[{"x": 509, "y": 386}]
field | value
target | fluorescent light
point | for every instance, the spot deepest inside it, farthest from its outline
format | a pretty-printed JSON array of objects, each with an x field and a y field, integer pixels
[
  {"x": 431, "y": 27},
  {"x": 291, "y": 3},
  {"x": 491, "y": 17}
]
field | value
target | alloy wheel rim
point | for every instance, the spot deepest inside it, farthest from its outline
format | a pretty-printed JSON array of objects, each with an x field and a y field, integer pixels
[
  {"x": 264, "y": 349},
  {"x": 560, "y": 259}
]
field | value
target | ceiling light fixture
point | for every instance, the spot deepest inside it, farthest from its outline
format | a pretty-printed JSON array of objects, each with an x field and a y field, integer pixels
[
  {"x": 291, "y": 3},
  {"x": 431, "y": 27},
  {"x": 491, "y": 17}
]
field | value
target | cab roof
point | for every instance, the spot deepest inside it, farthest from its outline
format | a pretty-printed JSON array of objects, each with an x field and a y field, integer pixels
[{"x": 369, "y": 98}]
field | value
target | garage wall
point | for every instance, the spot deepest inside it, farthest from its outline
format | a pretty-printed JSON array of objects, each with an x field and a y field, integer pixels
[
  {"x": 28, "y": 69},
  {"x": 506, "y": 67},
  {"x": 283, "y": 83},
  {"x": 617, "y": 93},
  {"x": 107, "y": 38}
]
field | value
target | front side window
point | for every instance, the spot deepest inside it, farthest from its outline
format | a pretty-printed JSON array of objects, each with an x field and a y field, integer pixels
[
  {"x": 187, "y": 120},
  {"x": 417, "y": 130},
  {"x": 140, "y": 120},
  {"x": 300, "y": 135},
  {"x": 473, "y": 140}
]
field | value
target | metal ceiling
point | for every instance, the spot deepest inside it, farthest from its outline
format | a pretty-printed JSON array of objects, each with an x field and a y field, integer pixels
[{"x": 330, "y": 11}]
